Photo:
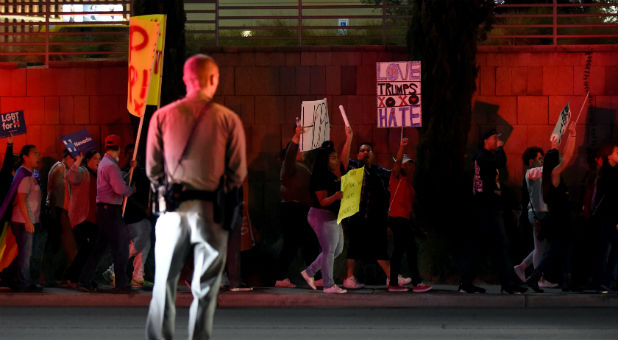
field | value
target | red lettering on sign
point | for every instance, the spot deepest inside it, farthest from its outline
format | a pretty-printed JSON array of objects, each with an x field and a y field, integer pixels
[
  {"x": 132, "y": 81},
  {"x": 137, "y": 29},
  {"x": 381, "y": 99},
  {"x": 403, "y": 100}
]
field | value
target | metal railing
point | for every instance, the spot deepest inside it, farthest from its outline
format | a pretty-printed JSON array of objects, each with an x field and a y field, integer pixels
[
  {"x": 39, "y": 31},
  {"x": 306, "y": 22},
  {"x": 560, "y": 22}
]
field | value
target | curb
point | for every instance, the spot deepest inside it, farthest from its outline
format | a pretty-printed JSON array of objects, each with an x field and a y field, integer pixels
[{"x": 298, "y": 298}]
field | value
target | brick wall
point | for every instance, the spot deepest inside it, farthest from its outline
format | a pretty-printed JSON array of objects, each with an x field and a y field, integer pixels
[
  {"x": 65, "y": 98},
  {"x": 519, "y": 91}
]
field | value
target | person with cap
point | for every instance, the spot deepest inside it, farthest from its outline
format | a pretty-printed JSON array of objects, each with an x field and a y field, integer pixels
[
  {"x": 197, "y": 149},
  {"x": 111, "y": 190},
  {"x": 487, "y": 194},
  {"x": 400, "y": 214}
]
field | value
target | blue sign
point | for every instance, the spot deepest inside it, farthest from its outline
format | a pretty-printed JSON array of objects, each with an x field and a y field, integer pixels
[
  {"x": 13, "y": 123},
  {"x": 79, "y": 142}
]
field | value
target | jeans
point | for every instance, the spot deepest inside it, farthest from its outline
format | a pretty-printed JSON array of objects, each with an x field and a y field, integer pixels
[
  {"x": 540, "y": 246},
  {"x": 330, "y": 236},
  {"x": 297, "y": 234},
  {"x": 24, "y": 252},
  {"x": 112, "y": 231},
  {"x": 403, "y": 242}
]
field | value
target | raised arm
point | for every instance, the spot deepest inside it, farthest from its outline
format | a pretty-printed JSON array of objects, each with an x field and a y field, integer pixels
[
  {"x": 289, "y": 160},
  {"x": 567, "y": 156},
  {"x": 345, "y": 153},
  {"x": 397, "y": 167},
  {"x": 75, "y": 175},
  {"x": 7, "y": 163}
]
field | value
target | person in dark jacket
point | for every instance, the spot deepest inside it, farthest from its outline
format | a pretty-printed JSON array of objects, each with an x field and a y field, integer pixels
[{"x": 487, "y": 193}]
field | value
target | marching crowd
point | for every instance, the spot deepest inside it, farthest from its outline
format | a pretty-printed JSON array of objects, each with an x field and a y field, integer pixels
[{"x": 83, "y": 215}]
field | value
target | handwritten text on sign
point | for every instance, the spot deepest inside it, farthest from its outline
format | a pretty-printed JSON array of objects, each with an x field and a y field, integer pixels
[
  {"x": 351, "y": 185},
  {"x": 399, "y": 93},
  {"x": 154, "y": 89},
  {"x": 143, "y": 35},
  {"x": 561, "y": 125},
  {"x": 314, "y": 118},
  {"x": 12, "y": 123}
]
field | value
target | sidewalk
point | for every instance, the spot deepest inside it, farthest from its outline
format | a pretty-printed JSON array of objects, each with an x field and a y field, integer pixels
[{"x": 440, "y": 296}]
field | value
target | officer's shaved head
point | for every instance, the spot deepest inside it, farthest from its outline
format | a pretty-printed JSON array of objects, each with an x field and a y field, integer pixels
[{"x": 201, "y": 73}]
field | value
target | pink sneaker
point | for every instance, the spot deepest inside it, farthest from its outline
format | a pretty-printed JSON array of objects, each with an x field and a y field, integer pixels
[
  {"x": 334, "y": 289},
  {"x": 421, "y": 288},
  {"x": 309, "y": 279},
  {"x": 285, "y": 283},
  {"x": 351, "y": 283},
  {"x": 397, "y": 289},
  {"x": 319, "y": 283}
]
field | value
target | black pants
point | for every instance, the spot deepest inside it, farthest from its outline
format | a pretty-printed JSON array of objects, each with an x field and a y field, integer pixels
[
  {"x": 403, "y": 243},
  {"x": 112, "y": 232},
  {"x": 85, "y": 235},
  {"x": 297, "y": 233},
  {"x": 489, "y": 237}
]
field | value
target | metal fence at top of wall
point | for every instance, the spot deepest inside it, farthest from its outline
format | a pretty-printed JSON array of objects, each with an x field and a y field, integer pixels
[
  {"x": 40, "y": 31},
  {"x": 362, "y": 22}
]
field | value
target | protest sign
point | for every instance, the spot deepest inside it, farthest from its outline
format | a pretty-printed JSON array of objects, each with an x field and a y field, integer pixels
[
  {"x": 13, "y": 123},
  {"x": 399, "y": 94},
  {"x": 79, "y": 142},
  {"x": 314, "y": 120},
  {"x": 154, "y": 90},
  {"x": 561, "y": 125},
  {"x": 143, "y": 35},
  {"x": 351, "y": 185}
]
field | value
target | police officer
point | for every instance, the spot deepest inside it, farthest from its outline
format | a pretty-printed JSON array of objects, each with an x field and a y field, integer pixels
[{"x": 193, "y": 143}]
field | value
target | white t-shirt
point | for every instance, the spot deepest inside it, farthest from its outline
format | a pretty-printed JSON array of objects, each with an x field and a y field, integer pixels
[
  {"x": 31, "y": 188},
  {"x": 534, "y": 181}
]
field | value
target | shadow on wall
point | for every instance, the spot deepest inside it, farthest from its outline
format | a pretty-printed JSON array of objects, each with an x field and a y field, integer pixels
[{"x": 264, "y": 200}]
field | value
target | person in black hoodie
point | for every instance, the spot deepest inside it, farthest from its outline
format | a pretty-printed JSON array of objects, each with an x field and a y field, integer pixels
[
  {"x": 605, "y": 203},
  {"x": 487, "y": 196}
]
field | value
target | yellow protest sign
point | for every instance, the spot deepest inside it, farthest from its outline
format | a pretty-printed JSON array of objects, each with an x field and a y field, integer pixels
[
  {"x": 351, "y": 185},
  {"x": 143, "y": 35},
  {"x": 154, "y": 90}
]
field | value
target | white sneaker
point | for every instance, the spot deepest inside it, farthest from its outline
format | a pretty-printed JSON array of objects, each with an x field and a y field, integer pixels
[
  {"x": 401, "y": 281},
  {"x": 351, "y": 283},
  {"x": 285, "y": 283},
  {"x": 520, "y": 272},
  {"x": 334, "y": 289},
  {"x": 546, "y": 284},
  {"x": 309, "y": 279}
]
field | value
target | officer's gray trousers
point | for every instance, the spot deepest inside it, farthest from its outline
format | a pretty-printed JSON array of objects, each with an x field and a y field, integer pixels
[{"x": 188, "y": 231}]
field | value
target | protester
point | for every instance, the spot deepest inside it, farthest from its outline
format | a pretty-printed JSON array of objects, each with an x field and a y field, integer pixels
[
  {"x": 112, "y": 231},
  {"x": 366, "y": 230},
  {"x": 136, "y": 217},
  {"x": 197, "y": 147},
  {"x": 535, "y": 211},
  {"x": 556, "y": 224},
  {"x": 490, "y": 233},
  {"x": 59, "y": 231},
  {"x": 400, "y": 214},
  {"x": 82, "y": 180},
  {"x": 24, "y": 197},
  {"x": 606, "y": 206},
  {"x": 296, "y": 198},
  {"x": 326, "y": 187}
]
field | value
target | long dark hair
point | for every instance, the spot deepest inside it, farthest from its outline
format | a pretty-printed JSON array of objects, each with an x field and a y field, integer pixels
[
  {"x": 320, "y": 166},
  {"x": 551, "y": 160}
]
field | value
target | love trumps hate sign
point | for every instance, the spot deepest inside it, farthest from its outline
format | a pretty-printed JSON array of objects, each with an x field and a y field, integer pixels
[{"x": 399, "y": 94}]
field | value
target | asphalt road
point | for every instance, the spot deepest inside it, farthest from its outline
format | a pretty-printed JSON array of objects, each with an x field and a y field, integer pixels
[{"x": 106, "y": 323}]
